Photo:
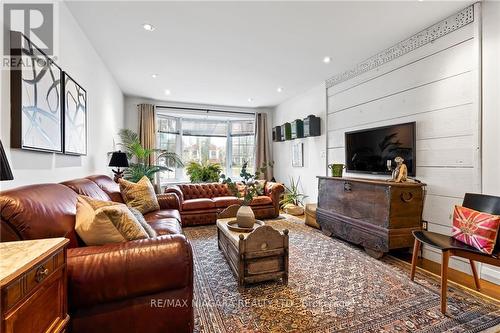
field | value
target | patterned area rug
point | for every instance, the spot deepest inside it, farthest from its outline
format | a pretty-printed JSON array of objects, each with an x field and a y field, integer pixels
[{"x": 333, "y": 287}]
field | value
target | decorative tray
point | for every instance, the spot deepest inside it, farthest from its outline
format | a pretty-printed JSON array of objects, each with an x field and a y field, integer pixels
[{"x": 233, "y": 226}]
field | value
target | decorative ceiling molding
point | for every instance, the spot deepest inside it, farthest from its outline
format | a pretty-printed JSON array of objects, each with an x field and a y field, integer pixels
[{"x": 422, "y": 38}]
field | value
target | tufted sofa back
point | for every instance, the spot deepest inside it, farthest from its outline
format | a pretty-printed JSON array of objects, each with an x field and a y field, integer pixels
[{"x": 204, "y": 190}]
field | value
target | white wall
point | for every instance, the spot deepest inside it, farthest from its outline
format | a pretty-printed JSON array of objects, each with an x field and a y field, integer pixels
[
  {"x": 448, "y": 142},
  {"x": 105, "y": 113},
  {"x": 438, "y": 86},
  {"x": 491, "y": 110},
  {"x": 310, "y": 102},
  {"x": 491, "y": 97}
]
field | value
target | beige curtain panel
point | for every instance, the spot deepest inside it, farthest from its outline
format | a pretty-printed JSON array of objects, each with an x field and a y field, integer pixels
[
  {"x": 147, "y": 128},
  {"x": 262, "y": 145}
]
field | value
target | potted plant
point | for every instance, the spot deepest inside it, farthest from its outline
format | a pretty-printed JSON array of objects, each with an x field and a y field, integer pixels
[
  {"x": 293, "y": 201},
  {"x": 132, "y": 146},
  {"x": 203, "y": 172},
  {"x": 248, "y": 188}
]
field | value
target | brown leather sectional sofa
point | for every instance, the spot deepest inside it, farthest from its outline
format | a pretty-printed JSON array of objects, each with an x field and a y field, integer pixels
[
  {"x": 200, "y": 203},
  {"x": 110, "y": 287}
]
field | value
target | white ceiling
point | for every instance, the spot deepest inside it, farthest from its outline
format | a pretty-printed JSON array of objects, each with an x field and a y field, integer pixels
[{"x": 223, "y": 53}]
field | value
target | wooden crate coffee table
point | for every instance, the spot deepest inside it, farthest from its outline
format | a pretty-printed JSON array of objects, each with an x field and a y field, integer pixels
[{"x": 261, "y": 255}]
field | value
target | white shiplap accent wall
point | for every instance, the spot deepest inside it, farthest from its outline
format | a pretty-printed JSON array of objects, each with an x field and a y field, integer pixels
[{"x": 437, "y": 85}]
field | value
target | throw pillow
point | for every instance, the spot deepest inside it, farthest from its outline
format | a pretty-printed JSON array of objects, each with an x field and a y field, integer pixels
[
  {"x": 151, "y": 232},
  {"x": 261, "y": 185},
  {"x": 101, "y": 222},
  {"x": 477, "y": 229},
  {"x": 140, "y": 195}
]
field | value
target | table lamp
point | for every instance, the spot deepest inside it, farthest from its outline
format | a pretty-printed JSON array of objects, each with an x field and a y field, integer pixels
[
  {"x": 118, "y": 160},
  {"x": 5, "y": 172}
]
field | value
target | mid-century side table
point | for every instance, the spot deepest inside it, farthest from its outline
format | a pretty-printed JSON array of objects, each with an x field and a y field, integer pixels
[{"x": 33, "y": 286}]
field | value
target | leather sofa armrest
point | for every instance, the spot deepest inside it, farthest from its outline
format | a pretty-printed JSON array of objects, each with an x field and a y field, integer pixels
[
  {"x": 274, "y": 190},
  {"x": 177, "y": 190},
  {"x": 118, "y": 271},
  {"x": 168, "y": 201}
]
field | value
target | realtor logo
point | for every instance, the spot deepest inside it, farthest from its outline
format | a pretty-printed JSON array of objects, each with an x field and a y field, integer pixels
[{"x": 34, "y": 20}]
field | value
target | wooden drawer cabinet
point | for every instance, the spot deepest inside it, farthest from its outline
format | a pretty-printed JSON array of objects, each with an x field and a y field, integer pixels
[
  {"x": 33, "y": 286},
  {"x": 376, "y": 214}
]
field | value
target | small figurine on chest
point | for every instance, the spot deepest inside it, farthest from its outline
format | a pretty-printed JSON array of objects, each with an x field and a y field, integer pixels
[{"x": 400, "y": 173}]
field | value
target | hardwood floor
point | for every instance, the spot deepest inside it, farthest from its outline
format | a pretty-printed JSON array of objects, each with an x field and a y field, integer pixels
[{"x": 487, "y": 288}]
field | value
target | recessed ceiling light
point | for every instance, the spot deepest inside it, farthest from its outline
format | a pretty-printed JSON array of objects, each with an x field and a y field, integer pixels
[
  {"x": 154, "y": 76},
  {"x": 167, "y": 92},
  {"x": 279, "y": 89},
  {"x": 327, "y": 60},
  {"x": 250, "y": 99},
  {"x": 148, "y": 27}
]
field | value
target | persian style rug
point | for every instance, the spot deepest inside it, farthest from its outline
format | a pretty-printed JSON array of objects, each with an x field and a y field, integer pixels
[{"x": 333, "y": 287}]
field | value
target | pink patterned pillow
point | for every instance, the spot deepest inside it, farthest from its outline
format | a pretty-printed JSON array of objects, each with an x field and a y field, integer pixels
[{"x": 477, "y": 229}]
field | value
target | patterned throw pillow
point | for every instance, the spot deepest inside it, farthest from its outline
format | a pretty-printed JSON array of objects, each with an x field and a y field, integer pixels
[
  {"x": 151, "y": 232},
  {"x": 140, "y": 195},
  {"x": 477, "y": 229},
  {"x": 101, "y": 222}
]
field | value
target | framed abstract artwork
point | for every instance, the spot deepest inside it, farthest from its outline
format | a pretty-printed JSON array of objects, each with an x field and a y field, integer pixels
[
  {"x": 297, "y": 154},
  {"x": 36, "y": 98},
  {"x": 75, "y": 117}
]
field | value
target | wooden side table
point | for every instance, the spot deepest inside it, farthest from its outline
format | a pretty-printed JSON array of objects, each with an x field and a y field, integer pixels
[
  {"x": 260, "y": 255},
  {"x": 33, "y": 286}
]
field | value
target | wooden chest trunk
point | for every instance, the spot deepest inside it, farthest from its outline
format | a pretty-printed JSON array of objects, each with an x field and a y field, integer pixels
[
  {"x": 261, "y": 255},
  {"x": 376, "y": 214}
]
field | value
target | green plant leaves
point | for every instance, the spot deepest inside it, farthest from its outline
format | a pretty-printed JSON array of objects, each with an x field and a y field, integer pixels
[
  {"x": 132, "y": 146},
  {"x": 250, "y": 187},
  {"x": 292, "y": 194},
  {"x": 203, "y": 172}
]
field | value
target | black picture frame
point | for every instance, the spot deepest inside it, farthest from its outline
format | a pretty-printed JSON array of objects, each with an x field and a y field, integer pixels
[
  {"x": 75, "y": 117},
  {"x": 36, "y": 97}
]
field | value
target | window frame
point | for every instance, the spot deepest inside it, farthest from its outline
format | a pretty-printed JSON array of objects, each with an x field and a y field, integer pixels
[{"x": 179, "y": 174}]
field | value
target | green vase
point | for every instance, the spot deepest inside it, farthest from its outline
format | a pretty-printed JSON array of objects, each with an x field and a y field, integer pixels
[
  {"x": 337, "y": 169},
  {"x": 288, "y": 131}
]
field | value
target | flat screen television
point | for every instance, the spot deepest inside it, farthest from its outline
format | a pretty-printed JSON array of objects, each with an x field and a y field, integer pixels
[{"x": 369, "y": 150}]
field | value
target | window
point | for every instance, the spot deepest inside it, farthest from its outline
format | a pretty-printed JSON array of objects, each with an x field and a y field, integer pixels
[
  {"x": 203, "y": 137},
  {"x": 242, "y": 145},
  {"x": 167, "y": 140},
  {"x": 213, "y": 154},
  {"x": 203, "y": 149}
]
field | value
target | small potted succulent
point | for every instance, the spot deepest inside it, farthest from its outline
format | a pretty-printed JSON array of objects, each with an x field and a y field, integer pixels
[
  {"x": 248, "y": 188},
  {"x": 293, "y": 201}
]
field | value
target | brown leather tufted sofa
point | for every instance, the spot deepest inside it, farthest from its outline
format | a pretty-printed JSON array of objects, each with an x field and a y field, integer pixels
[
  {"x": 110, "y": 287},
  {"x": 200, "y": 203}
]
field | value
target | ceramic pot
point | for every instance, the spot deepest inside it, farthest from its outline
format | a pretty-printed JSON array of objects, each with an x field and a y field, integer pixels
[
  {"x": 293, "y": 209},
  {"x": 245, "y": 217},
  {"x": 337, "y": 169}
]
